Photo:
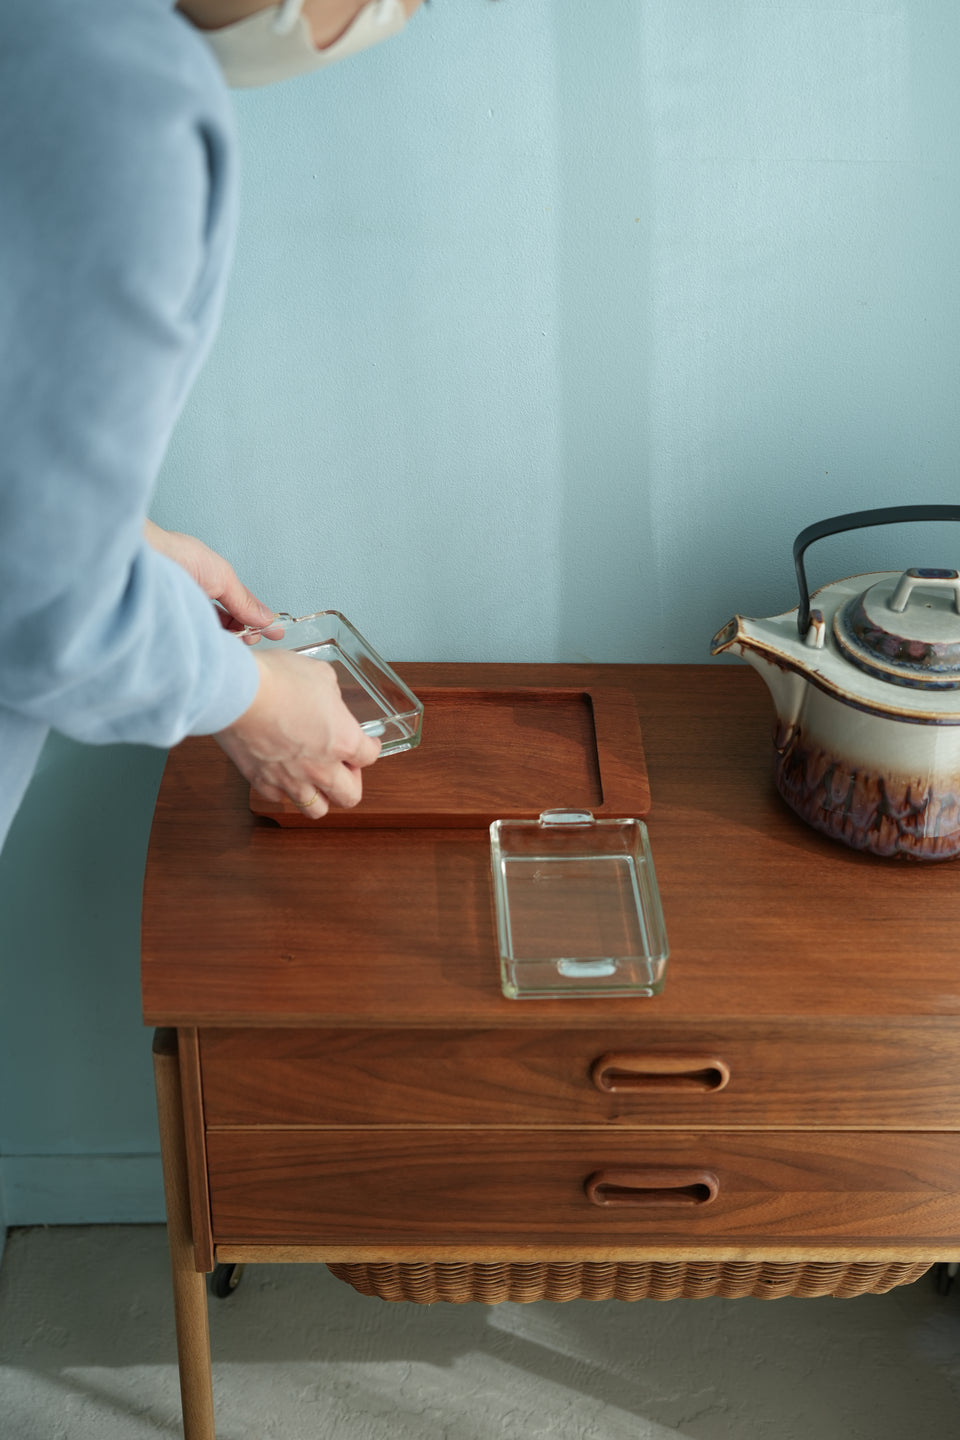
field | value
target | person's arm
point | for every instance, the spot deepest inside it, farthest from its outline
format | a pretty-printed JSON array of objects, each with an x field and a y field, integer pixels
[
  {"x": 238, "y": 606},
  {"x": 117, "y": 203},
  {"x": 112, "y": 235},
  {"x": 297, "y": 739}
]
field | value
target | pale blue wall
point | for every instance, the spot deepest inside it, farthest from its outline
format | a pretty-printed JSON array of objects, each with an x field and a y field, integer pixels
[{"x": 552, "y": 322}]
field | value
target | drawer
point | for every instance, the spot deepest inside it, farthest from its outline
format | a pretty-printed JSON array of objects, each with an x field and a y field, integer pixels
[
  {"x": 836, "y": 1074},
  {"x": 451, "y": 1187}
]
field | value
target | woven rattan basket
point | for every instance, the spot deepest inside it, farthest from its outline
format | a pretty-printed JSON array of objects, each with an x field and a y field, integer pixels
[{"x": 492, "y": 1282}]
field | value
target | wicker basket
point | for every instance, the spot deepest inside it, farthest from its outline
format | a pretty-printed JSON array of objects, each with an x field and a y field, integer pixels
[{"x": 492, "y": 1282}]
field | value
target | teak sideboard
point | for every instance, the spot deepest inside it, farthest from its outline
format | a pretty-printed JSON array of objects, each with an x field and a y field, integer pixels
[{"x": 341, "y": 1080}]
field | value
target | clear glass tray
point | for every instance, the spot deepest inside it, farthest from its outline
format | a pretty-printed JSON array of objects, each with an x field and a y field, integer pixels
[
  {"x": 578, "y": 910},
  {"x": 371, "y": 691}
]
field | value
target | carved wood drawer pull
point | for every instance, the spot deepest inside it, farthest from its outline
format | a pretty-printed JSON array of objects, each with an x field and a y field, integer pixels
[
  {"x": 643, "y": 1188},
  {"x": 626, "y": 1074}
]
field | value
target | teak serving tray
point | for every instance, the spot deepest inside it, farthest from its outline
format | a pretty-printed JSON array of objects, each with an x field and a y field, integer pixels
[{"x": 500, "y": 754}]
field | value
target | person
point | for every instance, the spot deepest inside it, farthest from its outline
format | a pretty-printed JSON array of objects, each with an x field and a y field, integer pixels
[{"x": 118, "y": 202}]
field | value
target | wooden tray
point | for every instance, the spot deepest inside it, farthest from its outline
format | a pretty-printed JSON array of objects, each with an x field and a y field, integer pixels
[{"x": 501, "y": 754}]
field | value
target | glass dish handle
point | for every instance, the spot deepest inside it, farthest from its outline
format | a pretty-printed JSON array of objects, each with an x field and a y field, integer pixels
[
  {"x": 567, "y": 817},
  {"x": 281, "y": 618}
]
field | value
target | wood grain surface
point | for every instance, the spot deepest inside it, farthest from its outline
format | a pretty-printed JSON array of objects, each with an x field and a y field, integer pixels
[
  {"x": 828, "y": 1074},
  {"x": 500, "y": 1252},
  {"x": 247, "y": 923},
  {"x": 501, "y": 754},
  {"x": 448, "y": 1187},
  {"x": 188, "y": 1055}
]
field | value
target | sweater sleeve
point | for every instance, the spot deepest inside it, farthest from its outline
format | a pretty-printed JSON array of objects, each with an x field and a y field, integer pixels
[{"x": 111, "y": 247}]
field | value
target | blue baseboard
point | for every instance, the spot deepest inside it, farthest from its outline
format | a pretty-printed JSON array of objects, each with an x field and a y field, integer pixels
[{"x": 81, "y": 1189}]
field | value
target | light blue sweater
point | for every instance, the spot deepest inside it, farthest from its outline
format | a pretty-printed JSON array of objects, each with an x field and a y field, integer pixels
[{"x": 117, "y": 211}]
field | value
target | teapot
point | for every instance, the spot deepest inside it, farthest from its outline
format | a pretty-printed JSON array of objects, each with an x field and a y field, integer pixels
[{"x": 865, "y": 678}]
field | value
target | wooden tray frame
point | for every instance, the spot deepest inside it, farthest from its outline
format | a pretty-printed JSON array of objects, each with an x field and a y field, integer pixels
[{"x": 620, "y": 761}]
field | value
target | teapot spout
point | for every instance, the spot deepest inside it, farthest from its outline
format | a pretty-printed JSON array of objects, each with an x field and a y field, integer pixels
[{"x": 786, "y": 683}]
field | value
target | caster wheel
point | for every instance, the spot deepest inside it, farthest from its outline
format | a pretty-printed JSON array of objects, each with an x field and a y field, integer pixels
[
  {"x": 225, "y": 1279},
  {"x": 943, "y": 1277}
]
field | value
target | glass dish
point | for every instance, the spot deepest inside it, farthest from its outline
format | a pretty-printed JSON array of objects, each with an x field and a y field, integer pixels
[
  {"x": 371, "y": 691},
  {"x": 578, "y": 909}
]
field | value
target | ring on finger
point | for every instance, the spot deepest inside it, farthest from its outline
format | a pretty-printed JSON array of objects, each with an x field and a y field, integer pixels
[{"x": 305, "y": 804}]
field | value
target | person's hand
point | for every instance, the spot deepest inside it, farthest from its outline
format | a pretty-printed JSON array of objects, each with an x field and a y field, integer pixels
[
  {"x": 237, "y": 606},
  {"x": 298, "y": 740}
]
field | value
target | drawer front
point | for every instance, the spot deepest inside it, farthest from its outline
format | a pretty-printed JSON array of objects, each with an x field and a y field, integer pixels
[
  {"x": 793, "y": 1075},
  {"x": 449, "y": 1187}
]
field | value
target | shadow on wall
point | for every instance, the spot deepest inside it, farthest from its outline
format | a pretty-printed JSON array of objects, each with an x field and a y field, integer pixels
[
  {"x": 74, "y": 1056},
  {"x": 611, "y": 604},
  {"x": 758, "y": 314}
]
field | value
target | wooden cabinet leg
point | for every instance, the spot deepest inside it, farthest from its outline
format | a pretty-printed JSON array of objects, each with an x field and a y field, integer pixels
[{"x": 189, "y": 1284}]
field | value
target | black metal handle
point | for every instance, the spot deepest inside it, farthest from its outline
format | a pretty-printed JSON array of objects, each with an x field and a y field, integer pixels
[{"x": 856, "y": 520}]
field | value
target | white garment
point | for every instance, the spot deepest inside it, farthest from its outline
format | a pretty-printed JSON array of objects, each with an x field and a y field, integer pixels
[{"x": 277, "y": 43}]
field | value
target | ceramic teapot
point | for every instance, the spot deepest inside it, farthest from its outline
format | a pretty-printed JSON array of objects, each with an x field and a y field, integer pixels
[{"x": 865, "y": 677}]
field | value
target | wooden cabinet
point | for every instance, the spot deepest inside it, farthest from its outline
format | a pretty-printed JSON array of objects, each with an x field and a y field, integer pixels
[
  {"x": 828, "y": 1074},
  {"x": 464, "y": 1137},
  {"x": 409, "y": 1186},
  {"x": 341, "y": 1078}
]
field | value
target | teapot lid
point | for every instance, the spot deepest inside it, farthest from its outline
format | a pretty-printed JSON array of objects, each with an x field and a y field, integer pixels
[{"x": 905, "y": 629}]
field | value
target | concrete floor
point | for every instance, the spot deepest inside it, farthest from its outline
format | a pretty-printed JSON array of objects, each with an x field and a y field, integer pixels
[{"x": 87, "y": 1353}]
